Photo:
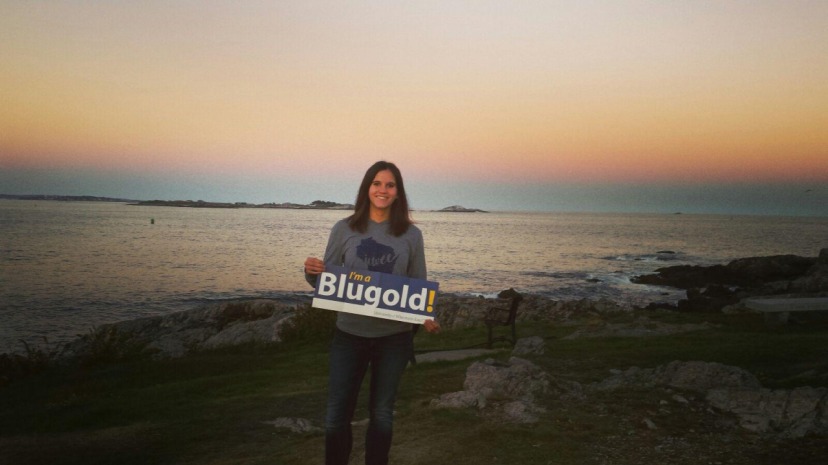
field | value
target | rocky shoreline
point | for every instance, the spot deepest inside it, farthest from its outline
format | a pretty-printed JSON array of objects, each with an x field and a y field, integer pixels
[
  {"x": 719, "y": 288},
  {"x": 510, "y": 391},
  {"x": 725, "y": 287},
  {"x": 713, "y": 289},
  {"x": 260, "y": 321},
  {"x": 727, "y": 408}
]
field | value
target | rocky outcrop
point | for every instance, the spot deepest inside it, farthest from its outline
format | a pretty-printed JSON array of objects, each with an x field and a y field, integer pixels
[
  {"x": 212, "y": 326},
  {"x": 460, "y": 311},
  {"x": 515, "y": 391},
  {"x": 534, "y": 345},
  {"x": 512, "y": 391},
  {"x": 712, "y": 288},
  {"x": 693, "y": 375},
  {"x": 232, "y": 323},
  {"x": 784, "y": 413},
  {"x": 509, "y": 391},
  {"x": 788, "y": 413},
  {"x": 259, "y": 320},
  {"x": 504, "y": 390}
]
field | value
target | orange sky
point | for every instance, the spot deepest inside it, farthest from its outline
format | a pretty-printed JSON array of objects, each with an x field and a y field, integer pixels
[{"x": 535, "y": 91}]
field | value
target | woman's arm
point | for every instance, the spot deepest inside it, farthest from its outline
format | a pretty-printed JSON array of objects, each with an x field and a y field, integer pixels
[
  {"x": 417, "y": 262},
  {"x": 314, "y": 266},
  {"x": 417, "y": 269}
]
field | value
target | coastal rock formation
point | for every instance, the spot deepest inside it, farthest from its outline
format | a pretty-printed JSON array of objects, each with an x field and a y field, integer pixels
[
  {"x": 792, "y": 413},
  {"x": 784, "y": 413},
  {"x": 212, "y": 326},
  {"x": 529, "y": 346},
  {"x": 260, "y": 320},
  {"x": 504, "y": 390},
  {"x": 712, "y": 288},
  {"x": 692, "y": 375},
  {"x": 510, "y": 391},
  {"x": 517, "y": 390},
  {"x": 459, "y": 311}
]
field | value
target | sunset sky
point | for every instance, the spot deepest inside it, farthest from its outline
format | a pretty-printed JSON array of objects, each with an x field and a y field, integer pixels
[{"x": 662, "y": 106}]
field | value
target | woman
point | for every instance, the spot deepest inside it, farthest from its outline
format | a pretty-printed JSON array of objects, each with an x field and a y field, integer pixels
[{"x": 379, "y": 236}]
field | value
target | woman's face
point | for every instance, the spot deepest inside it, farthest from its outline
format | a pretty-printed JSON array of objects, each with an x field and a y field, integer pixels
[{"x": 383, "y": 190}]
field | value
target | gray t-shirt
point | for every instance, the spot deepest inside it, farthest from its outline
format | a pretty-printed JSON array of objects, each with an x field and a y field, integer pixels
[{"x": 375, "y": 250}]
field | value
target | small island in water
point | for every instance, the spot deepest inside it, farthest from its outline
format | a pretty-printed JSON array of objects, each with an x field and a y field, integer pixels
[{"x": 459, "y": 209}]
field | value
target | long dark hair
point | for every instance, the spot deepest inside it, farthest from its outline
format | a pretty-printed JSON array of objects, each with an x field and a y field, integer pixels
[{"x": 399, "y": 219}]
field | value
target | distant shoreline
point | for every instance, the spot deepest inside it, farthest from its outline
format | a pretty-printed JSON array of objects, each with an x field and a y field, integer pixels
[
  {"x": 315, "y": 205},
  {"x": 64, "y": 198}
]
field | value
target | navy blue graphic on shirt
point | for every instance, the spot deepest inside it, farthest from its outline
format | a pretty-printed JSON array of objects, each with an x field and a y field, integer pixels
[{"x": 376, "y": 256}]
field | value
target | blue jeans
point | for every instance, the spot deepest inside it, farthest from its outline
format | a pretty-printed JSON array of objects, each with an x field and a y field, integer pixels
[{"x": 350, "y": 358}]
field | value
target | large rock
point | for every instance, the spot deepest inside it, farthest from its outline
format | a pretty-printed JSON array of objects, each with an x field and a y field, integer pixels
[
  {"x": 505, "y": 390},
  {"x": 756, "y": 271},
  {"x": 692, "y": 375},
  {"x": 788, "y": 413},
  {"x": 259, "y": 320},
  {"x": 517, "y": 379},
  {"x": 710, "y": 299},
  {"x": 713, "y": 288},
  {"x": 784, "y": 413},
  {"x": 265, "y": 330},
  {"x": 686, "y": 276},
  {"x": 744, "y": 272},
  {"x": 815, "y": 281},
  {"x": 534, "y": 345},
  {"x": 173, "y": 335},
  {"x": 461, "y": 311},
  {"x": 701, "y": 376}
]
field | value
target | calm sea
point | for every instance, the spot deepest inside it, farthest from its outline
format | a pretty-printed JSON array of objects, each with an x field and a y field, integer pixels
[{"x": 68, "y": 266}]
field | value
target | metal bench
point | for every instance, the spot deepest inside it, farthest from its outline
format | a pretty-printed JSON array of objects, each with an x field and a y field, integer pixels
[
  {"x": 503, "y": 313},
  {"x": 777, "y": 309}
]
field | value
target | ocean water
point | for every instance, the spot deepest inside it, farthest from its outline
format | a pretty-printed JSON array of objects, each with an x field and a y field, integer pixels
[{"x": 66, "y": 267}]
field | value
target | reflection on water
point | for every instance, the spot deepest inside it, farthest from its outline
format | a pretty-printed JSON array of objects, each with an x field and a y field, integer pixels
[{"x": 67, "y": 266}]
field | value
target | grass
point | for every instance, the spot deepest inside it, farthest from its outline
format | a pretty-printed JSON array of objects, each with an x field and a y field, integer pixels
[{"x": 210, "y": 407}]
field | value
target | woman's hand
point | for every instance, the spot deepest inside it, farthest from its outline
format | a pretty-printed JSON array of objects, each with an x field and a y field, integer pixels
[
  {"x": 314, "y": 265},
  {"x": 431, "y": 326}
]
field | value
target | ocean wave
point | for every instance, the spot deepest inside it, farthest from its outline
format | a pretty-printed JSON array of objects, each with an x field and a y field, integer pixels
[
  {"x": 577, "y": 275},
  {"x": 660, "y": 256}
]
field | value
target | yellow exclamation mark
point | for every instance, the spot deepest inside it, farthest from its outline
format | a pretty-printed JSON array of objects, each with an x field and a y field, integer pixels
[{"x": 430, "y": 307}]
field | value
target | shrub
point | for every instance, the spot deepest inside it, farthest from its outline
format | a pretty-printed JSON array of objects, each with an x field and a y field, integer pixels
[
  {"x": 36, "y": 359},
  {"x": 106, "y": 344}
]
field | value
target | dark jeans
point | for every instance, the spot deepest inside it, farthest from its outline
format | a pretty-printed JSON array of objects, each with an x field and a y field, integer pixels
[{"x": 350, "y": 358}]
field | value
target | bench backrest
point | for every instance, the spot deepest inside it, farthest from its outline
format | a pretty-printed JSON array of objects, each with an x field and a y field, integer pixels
[{"x": 513, "y": 308}]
